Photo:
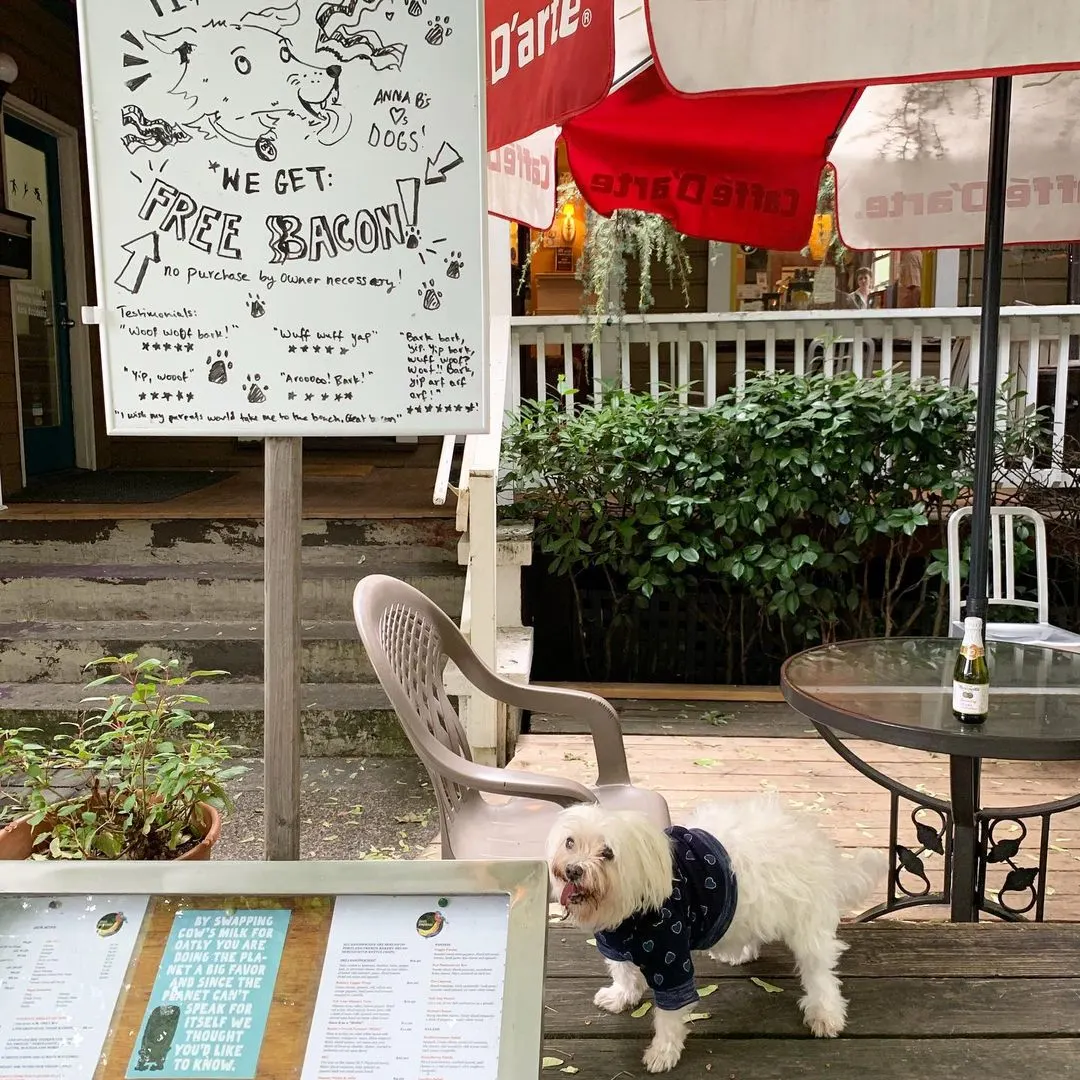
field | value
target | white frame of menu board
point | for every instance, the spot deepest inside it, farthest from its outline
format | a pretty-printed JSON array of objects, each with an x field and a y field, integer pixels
[{"x": 525, "y": 884}]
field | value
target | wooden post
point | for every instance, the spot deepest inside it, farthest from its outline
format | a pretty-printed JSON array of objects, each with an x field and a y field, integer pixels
[{"x": 283, "y": 488}]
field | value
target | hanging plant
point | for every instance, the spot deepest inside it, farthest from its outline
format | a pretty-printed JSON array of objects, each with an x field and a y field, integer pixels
[
  {"x": 834, "y": 252},
  {"x": 609, "y": 243}
]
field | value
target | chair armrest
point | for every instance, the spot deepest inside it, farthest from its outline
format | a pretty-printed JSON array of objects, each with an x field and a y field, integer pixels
[
  {"x": 512, "y": 782},
  {"x": 602, "y": 719}
]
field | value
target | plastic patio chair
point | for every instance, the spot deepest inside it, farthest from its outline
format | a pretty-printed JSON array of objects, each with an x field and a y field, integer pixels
[
  {"x": 409, "y": 640},
  {"x": 1002, "y": 579}
]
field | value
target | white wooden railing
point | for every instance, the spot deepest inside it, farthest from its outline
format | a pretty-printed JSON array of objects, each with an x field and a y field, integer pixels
[
  {"x": 477, "y": 492},
  {"x": 706, "y": 355}
]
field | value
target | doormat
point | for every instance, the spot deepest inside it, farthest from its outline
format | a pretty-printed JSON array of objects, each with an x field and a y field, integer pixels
[{"x": 117, "y": 486}]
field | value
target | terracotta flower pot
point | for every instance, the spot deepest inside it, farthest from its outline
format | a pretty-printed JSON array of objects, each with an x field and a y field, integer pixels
[{"x": 17, "y": 839}]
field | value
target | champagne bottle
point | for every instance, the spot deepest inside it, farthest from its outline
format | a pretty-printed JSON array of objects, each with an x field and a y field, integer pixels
[{"x": 971, "y": 677}]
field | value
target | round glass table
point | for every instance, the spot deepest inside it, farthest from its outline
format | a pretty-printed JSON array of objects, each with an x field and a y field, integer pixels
[{"x": 899, "y": 691}]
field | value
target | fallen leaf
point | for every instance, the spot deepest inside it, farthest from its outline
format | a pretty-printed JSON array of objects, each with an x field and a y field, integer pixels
[
  {"x": 706, "y": 762},
  {"x": 705, "y": 991},
  {"x": 551, "y": 1062},
  {"x": 591, "y": 941},
  {"x": 570, "y": 1069},
  {"x": 699, "y": 1016},
  {"x": 768, "y": 987},
  {"x": 248, "y": 840},
  {"x": 641, "y": 1010}
]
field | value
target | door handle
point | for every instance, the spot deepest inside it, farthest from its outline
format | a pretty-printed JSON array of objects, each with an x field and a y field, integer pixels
[{"x": 68, "y": 324}]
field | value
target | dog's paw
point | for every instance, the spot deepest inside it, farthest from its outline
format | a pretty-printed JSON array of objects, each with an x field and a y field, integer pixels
[
  {"x": 612, "y": 999},
  {"x": 661, "y": 1056},
  {"x": 825, "y": 1023}
]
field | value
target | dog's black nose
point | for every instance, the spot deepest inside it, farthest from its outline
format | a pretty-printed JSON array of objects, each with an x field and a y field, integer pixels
[
  {"x": 334, "y": 71},
  {"x": 574, "y": 873}
]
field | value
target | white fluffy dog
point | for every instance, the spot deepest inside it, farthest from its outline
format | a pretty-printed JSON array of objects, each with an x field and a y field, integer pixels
[{"x": 738, "y": 876}]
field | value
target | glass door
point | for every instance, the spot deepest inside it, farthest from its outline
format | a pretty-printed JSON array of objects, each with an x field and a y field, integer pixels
[{"x": 42, "y": 323}]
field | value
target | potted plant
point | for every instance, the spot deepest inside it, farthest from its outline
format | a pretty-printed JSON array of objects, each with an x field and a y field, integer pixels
[{"x": 137, "y": 777}]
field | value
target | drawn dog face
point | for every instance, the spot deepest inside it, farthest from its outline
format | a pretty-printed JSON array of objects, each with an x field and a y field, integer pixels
[{"x": 243, "y": 77}]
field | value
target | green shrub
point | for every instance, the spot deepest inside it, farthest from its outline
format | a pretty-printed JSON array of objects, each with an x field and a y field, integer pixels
[{"x": 786, "y": 494}]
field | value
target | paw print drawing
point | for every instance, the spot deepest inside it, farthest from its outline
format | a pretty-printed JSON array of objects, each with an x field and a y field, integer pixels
[
  {"x": 439, "y": 29},
  {"x": 454, "y": 265},
  {"x": 412, "y": 239},
  {"x": 431, "y": 296},
  {"x": 219, "y": 366},
  {"x": 416, "y": 7},
  {"x": 256, "y": 306},
  {"x": 255, "y": 390}
]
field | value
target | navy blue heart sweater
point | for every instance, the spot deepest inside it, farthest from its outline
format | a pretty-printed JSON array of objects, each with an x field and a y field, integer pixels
[{"x": 695, "y": 916}]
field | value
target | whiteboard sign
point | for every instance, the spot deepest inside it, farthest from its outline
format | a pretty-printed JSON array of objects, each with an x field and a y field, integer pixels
[{"x": 289, "y": 215}]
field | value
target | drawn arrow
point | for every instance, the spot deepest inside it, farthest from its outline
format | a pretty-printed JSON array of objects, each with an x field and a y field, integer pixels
[
  {"x": 143, "y": 250},
  {"x": 446, "y": 159}
]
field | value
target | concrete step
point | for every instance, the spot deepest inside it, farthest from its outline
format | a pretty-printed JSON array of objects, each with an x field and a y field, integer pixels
[
  {"x": 385, "y": 545},
  {"x": 231, "y": 592},
  {"x": 58, "y": 651},
  {"x": 354, "y": 720}
]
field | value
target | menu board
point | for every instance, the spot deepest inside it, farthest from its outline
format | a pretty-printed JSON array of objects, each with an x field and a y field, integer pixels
[
  {"x": 289, "y": 215},
  {"x": 410, "y": 989},
  {"x": 393, "y": 986},
  {"x": 63, "y": 961}
]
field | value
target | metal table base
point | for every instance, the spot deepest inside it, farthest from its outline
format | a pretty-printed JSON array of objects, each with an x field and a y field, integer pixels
[{"x": 966, "y": 838}]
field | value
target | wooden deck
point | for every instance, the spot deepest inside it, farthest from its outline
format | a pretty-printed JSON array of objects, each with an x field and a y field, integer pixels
[
  {"x": 926, "y": 1002},
  {"x": 693, "y": 753},
  {"x": 342, "y": 487}
]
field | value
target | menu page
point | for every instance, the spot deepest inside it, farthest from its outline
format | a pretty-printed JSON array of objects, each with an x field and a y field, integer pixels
[
  {"x": 411, "y": 989},
  {"x": 211, "y": 999},
  {"x": 63, "y": 961}
]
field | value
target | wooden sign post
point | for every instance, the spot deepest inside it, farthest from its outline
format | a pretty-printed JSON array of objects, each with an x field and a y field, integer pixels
[
  {"x": 283, "y": 575},
  {"x": 289, "y": 231}
]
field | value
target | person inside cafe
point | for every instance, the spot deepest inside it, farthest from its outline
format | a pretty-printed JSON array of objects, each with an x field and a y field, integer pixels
[
  {"x": 909, "y": 279},
  {"x": 864, "y": 281}
]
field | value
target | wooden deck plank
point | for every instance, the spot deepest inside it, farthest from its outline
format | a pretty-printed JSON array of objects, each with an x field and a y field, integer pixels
[
  {"x": 925, "y": 1001},
  {"x": 681, "y": 692},
  {"x": 932, "y": 1007},
  {"x": 880, "y": 950},
  {"x": 642, "y": 716},
  {"x": 818, "y": 1059},
  {"x": 377, "y": 493}
]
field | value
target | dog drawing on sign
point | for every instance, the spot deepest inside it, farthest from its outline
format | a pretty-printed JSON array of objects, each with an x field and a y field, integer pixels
[{"x": 238, "y": 82}]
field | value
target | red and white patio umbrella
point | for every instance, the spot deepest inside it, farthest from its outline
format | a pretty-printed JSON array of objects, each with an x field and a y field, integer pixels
[
  {"x": 720, "y": 115},
  {"x": 747, "y": 99}
]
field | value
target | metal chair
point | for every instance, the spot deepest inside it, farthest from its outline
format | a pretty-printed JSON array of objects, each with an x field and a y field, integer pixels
[
  {"x": 409, "y": 641},
  {"x": 1002, "y": 583},
  {"x": 843, "y": 355}
]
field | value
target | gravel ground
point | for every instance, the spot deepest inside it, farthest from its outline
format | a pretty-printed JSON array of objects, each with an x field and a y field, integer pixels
[{"x": 352, "y": 808}]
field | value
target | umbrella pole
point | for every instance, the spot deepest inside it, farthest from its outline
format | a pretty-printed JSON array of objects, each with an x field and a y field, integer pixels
[{"x": 986, "y": 411}]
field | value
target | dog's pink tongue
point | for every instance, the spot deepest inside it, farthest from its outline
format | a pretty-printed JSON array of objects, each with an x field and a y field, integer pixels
[{"x": 568, "y": 893}]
